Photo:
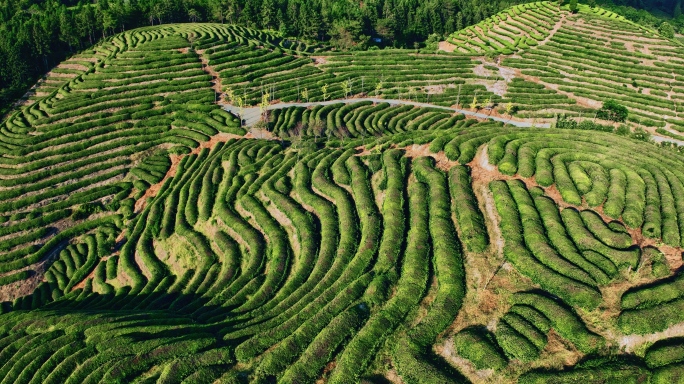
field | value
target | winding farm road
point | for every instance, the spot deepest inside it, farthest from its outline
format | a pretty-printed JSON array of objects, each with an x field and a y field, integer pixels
[
  {"x": 661, "y": 139},
  {"x": 252, "y": 115}
]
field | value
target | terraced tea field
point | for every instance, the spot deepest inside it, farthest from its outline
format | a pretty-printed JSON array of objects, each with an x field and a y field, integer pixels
[
  {"x": 571, "y": 63},
  {"x": 371, "y": 228}
]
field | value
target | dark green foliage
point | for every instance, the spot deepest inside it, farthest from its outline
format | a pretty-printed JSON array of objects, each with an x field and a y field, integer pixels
[
  {"x": 573, "y": 6},
  {"x": 85, "y": 210},
  {"x": 468, "y": 215},
  {"x": 322, "y": 348},
  {"x": 448, "y": 260},
  {"x": 520, "y": 256},
  {"x": 665, "y": 352},
  {"x": 337, "y": 250},
  {"x": 11, "y": 278},
  {"x": 613, "y": 111},
  {"x": 666, "y": 30},
  {"x": 563, "y": 122}
]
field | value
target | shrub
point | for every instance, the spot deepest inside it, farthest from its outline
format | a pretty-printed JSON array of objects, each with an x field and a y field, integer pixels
[
  {"x": 613, "y": 111},
  {"x": 666, "y": 30}
]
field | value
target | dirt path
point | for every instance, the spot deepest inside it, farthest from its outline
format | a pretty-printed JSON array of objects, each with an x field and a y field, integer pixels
[
  {"x": 555, "y": 29},
  {"x": 489, "y": 275},
  {"x": 416, "y": 150},
  {"x": 490, "y": 280},
  {"x": 631, "y": 342},
  {"x": 319, "y": 60},
  {"x": 257, "y": 133},
  {"x": 175, "y": 160},
  {"x": 629, "y": 45},
  {"x": 482, "y": 173},
  {"x": 216, "y": 77}
]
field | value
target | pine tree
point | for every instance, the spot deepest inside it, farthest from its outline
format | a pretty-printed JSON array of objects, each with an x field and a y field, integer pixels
[
  {"x": 67, "y": 32},
  {"x": 268, "y": 14}
]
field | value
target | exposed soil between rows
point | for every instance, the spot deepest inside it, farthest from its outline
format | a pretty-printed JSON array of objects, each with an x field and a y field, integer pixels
[
  {"x": 490, "y": 281},
  {"x": 447, "y": 46},
  {"x": 216, "y": 77},
  {"x": 152, "y": 191},
  {"x": 482, "y": 173},
  {"x": 415, "y": 150},
  {"x": 487, "y": 278},
  {"x": 25, "y": 287},
  {"x": 555, "y": 29}
]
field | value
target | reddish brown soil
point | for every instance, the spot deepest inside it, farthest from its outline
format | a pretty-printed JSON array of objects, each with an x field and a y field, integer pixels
[
  {"x": 441, "y": 160},
  {"x": 78, "y": 67},
  {"x": 318, "y": 60},
  {"x": 216, "y": 77},
  {"x": 447, "y": 46},
  {"x": 175, "y": 160}
]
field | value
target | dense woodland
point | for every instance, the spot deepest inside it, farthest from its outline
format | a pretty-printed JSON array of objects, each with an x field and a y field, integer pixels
[{"x": 37, "y": 35}]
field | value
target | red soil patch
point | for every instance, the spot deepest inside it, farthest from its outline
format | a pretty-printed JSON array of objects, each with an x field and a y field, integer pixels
[
  {"x": 175, "y": 160},
  {"x": 447, "y": 46},
  {"x": 319, "y": 60},
  {"x": 216, "y": 77},
  {"x": 441, "y": 160},
  {"x": 78, "y": 67}
]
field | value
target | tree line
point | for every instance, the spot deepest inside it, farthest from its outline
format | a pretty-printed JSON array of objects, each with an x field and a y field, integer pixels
[{"x": 664, "y": 15}]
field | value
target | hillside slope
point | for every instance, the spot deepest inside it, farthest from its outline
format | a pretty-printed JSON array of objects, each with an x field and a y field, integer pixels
[
  {"x": 148, "y": 235},
  {"x": 582, "y": 60}
]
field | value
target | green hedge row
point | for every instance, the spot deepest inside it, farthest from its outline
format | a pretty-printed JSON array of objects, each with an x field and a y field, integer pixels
[
  {"x": 516, "y": 251},
  {"x": 585, "y": 240},
  {"x": 479, "y": 346},
  {"x": 410, "y": 287},
  {"x": 537, "y": 241},
  {"x": 448, "y": 259},
  {"x": 565, "y": 246},
  {"x": 468, "y": 215}
]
